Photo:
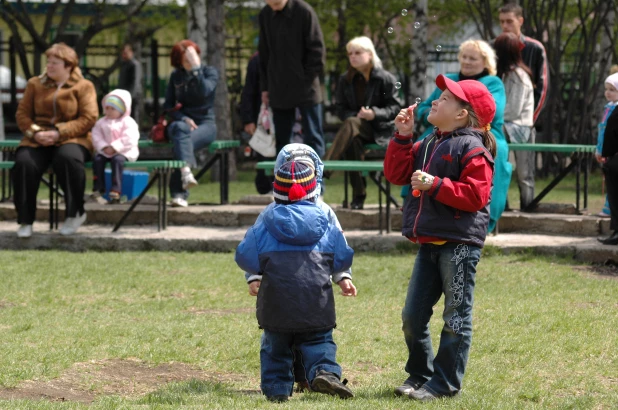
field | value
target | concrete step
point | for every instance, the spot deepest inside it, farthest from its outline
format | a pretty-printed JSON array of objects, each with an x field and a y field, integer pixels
[
  {"x": 99, "y": 238},
  {"x": 234, "y": 216}
]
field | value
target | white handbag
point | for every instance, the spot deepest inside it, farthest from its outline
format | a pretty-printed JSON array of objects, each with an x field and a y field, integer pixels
[{"x": 263, "y": 139}]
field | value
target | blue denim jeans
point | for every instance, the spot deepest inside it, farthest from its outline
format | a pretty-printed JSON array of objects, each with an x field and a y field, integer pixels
[
  {"x": 186, "y": 142},
  {"x": 448, "y": 269},
  {"x": 313, "y": 134},
  {"x": 317, "y": 351}
]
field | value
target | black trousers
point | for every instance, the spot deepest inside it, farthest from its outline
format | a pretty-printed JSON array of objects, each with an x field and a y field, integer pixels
[
  {"x": 348, "y": 144},
  {"x": 67, "y": 162},
  {"x": 610, "y": 169},
  {"x": 98, "y": 169}
]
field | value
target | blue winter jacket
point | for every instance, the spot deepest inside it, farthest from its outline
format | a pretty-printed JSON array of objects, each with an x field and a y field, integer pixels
[{"x": 296, "y": 250}]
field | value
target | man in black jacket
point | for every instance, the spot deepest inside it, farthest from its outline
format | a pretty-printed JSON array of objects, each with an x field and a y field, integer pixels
[
  {"x": 292, "y": 55},
  {"x": 130, "y": 79},
  {"x": 534, "y": 56}
]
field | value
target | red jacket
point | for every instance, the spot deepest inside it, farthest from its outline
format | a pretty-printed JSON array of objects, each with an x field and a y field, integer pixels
[{"x": 469, "y": 192}]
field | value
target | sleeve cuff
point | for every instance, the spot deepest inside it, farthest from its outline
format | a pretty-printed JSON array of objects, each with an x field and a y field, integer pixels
[
  {"x": 403, "y": 139},
  {"x": 253, "y": 278},
  {"x": 437, "y": 181}
]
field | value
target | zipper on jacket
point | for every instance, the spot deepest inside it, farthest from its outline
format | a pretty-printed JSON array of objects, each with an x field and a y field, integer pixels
[{"x": 420, "y": 207}]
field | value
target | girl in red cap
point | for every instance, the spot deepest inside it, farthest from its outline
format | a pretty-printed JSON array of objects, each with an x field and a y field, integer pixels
[{"x": 451, "y": 174}]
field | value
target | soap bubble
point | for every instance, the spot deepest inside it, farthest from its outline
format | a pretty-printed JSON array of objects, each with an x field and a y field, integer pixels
[
  {"x": 390, "y": 30},
  {"x": 404, "y": 12},
  {"x": 417, "y": 100},
  {"x": 438, "y": 48},
  {"x": 397, "y": 85},
  {"x": 417, "y": 25}
]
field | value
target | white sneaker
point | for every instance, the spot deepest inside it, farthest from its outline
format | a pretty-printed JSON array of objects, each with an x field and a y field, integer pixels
[
  {"x": 188, "y": 181},
  {"x": 71, "y": 225},
  {"x": 179, "y": 202},
  {"x": 24, "y": 231}
]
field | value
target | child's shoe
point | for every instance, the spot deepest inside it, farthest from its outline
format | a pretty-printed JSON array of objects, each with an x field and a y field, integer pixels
[
  {"x": 96, "y": 197},
  {"x": 406, "y": 388},
  {"x": 421, "y": 395},
  {"x": 329, "y": 383},
  {"x": 114, "y": 197},
  {"x": 279, "y": 398}
]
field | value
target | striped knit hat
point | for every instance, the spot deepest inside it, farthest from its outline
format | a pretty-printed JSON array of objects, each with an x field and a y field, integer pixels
[
  {"x": 116, "y": 103},
  {"x": 295, "y": 181}
]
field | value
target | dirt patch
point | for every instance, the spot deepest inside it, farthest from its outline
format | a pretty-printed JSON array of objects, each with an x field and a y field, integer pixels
[
  {"x": 126, "y": 378},
  {"x": 608, "y": 271}
]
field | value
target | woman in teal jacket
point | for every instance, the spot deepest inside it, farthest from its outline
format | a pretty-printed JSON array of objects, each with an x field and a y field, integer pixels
[{"x": 478, "y": 62}]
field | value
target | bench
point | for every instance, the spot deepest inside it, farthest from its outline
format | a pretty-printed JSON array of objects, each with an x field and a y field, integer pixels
[
  {"x": 579, "y": 153},
  {"x": 160, "y": 170},
  {"x": 219, "y": 149},
  {"x": 373, "y": 169}
]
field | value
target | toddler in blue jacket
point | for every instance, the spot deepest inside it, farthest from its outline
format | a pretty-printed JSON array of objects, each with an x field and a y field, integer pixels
[{"x": 291, "y": 253}]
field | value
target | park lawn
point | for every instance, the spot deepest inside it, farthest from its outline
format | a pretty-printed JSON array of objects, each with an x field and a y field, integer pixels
[{"x": 544, "y": 332}]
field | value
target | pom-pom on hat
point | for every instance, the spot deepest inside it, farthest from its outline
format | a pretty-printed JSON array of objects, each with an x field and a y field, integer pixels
[
  {"x": 116, "y": 103},
  {"x": 474, "y": 93},
  {"x": 295, "y": 181}
]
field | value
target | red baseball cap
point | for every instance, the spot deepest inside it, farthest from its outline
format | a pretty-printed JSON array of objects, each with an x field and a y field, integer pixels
[{"x": 474, "y": 93}]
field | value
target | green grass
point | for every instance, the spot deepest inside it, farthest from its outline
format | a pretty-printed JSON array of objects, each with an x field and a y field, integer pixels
[
  {"x": 544, "y": 331},
  {"x": 208, "y": 191}
]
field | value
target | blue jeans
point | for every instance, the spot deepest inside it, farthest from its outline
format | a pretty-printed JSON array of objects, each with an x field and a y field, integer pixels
[
  {"x": 318, "y": 351},
  {"x": 186, "y": 142},
  {"x": 313, "y": 134},
  {"x": 448, "y": 269}
]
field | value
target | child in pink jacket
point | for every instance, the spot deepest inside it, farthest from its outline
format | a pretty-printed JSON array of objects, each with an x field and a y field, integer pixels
[{"x": 115, "y": 137}]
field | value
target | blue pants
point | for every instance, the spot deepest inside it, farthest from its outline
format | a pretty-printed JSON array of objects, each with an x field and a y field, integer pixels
[
  {"x": 318, "y": 351},
  {"x": 448, "y": 269},
  {"x": 186, "y": 142},
  {"x": 313, "y": 135},
  {"x": 98, "y": 169}
]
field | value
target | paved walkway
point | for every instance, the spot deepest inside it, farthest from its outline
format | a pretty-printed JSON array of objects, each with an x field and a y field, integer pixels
[{"x": 221, "y": 239}]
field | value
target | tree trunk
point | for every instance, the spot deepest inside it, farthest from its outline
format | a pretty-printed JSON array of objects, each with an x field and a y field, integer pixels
[
  {"x": 215, "y": 12},
  {"x": 418, "y": 54},
  {"x": 196, "y": 25},
  {"x": 606, "y": 54}
]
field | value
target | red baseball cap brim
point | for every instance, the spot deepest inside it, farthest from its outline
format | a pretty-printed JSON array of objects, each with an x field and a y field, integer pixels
[{"x": 444, "y": 83}]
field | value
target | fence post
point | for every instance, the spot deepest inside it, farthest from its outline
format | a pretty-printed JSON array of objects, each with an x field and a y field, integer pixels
[
  {"x": 154, "y": 75},
  {"x": 13, "y": 68}
]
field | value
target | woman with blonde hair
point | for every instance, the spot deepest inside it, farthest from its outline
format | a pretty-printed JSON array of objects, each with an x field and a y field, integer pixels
[
  {"x": 477, "y": 61},
  {"x": 56, "y": 114},
  {"x": 367, "y": 101}
]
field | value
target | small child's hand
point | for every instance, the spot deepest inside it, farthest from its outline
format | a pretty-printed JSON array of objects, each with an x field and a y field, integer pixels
[
  {"x": 347, "y": 287},
  {"x": 599, "y": 158},
  {"x": 404, "y": 121},
  {"x": 421, "y": 181},
  {"x": 109, "y": 150},
  {"x": 254, "y": 287}
]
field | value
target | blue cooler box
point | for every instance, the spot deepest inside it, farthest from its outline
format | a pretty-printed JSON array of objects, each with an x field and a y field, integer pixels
[{"x": 133, "y": 183}]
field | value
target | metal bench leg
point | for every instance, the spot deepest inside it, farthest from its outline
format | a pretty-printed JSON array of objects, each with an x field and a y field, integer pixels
[
  {"x": 588, "y": 159},
  {"x": 345, "y": 191},
  {"x": 154, "y": 178},
  {"x": 159, "y": 205},
  {"x": 223, "y": 178},
  {"x": 166, "y": 176},
  {"x": 380, "y": 209},
  {"x": 51, "y": 201},
  {"x": 577, "y": 177},
  {"x": 549, "y": 187},
  {"x": 388, "y": 206}
]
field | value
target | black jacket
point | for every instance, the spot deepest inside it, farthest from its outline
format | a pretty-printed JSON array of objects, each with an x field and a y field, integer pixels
[
  {"x": 380, "y": 94},
  {"x": 251, "y": 98},
  {"x": 292, "y": 55},
  {"x": 130, "y": 78},
  {"x": 610, "y": 139}
]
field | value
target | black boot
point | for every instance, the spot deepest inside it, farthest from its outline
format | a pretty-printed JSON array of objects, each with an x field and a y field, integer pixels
[{"x": 610, "y": 240}]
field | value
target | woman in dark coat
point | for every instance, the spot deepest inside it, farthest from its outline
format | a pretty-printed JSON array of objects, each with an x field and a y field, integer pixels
[
  {"x": 192, "y": 84},
  {"x": 367, "y": 102}
]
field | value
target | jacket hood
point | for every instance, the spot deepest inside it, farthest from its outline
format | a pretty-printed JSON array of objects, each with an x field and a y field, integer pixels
[
  {"x": 301, "y": 223},
  {"x": 124, "y": 95}
]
